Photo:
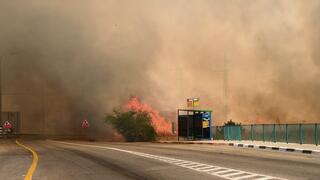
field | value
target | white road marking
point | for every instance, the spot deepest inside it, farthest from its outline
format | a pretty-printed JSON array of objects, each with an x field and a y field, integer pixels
[
  {"x": 245, "y": 177},
  {"x": 222, "y": 172},
  {"x": 264, "y": 178},
  {"x": 235, "y": 173}
]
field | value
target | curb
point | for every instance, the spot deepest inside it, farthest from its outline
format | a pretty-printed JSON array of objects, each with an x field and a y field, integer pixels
[
  {"x": 241, "y": 145},
  {"x": 275, "y": 148},
  {"x": 190, "y": 142}
]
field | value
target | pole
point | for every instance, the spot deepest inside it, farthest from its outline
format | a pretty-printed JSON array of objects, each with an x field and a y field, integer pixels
[
  {"x": 263, "y": 138},
  {"x": 287, "y": 134},
  {"x": 316, "y": 138},
  {"x": 274, "y": 133},
  {"x": 187, "y": 125},
  {"x": 178, "y": 125},
  {"x": 217, "y": 132},
  {"x": 300, "y": 133},
  {"x": 225, "y": 87},
  {"x": 210, "y": 125},
  {"x": 1, "y": 90},
  {"x": 252, "y": 132}
]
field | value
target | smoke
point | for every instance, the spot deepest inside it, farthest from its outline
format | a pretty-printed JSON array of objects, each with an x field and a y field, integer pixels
[{"x": 78, "y": 60}]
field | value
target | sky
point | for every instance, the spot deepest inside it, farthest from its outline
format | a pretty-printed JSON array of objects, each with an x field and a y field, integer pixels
[{"x": 249, "y": 61}]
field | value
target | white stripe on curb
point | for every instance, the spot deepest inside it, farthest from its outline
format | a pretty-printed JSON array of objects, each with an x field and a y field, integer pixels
[{"x": 305, "y": 151}]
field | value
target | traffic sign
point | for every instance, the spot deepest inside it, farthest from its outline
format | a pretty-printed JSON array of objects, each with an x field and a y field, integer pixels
[
  {"x": 193, "y": 102},
  {"x": 7, "y": 125},
  {"x": 206, "y": 116},
  {"x": 85, "y": 124}
]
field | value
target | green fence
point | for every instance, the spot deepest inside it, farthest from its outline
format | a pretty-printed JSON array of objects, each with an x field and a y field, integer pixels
[{"x": 289, "y": 133}]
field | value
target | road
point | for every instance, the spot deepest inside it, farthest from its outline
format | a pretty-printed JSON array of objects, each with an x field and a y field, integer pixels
[{"x": 101, "y": 160}]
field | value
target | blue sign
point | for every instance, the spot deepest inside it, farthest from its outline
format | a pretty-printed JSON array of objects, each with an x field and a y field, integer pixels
[{"x": 206, "y": 116}]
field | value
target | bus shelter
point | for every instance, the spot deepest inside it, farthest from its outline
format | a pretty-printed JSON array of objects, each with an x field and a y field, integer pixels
[{"x": 194, "y": 124}]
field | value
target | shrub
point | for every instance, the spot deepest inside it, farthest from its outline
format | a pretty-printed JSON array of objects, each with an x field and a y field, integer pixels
[{"x": 133, "y": 125}]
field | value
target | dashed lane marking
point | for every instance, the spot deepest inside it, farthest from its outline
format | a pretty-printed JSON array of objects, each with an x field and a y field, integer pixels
[
  {"x": 34, "y": 161},
  {"x": 222, "y": 172}
]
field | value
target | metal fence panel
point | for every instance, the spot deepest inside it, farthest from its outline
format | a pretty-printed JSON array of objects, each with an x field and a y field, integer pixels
[
  {"x": 293, "y": 133},
  {"x": 281, "y": 132},
  {"x": 308, "y": 134},
  {"x": 268, "y": 133},
  {"x": 219, "y": 133},
  {"x": 246, "y": 132},
  {"x": 258, "y": 132}
]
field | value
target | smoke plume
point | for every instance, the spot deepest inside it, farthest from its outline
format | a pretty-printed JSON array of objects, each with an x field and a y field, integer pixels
[{"x": 250, "y": 61}]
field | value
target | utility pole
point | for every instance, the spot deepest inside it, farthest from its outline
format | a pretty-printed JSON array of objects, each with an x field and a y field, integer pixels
[
  {"x": 1, "y": 90},
  {"x": 225, "y": 88}
]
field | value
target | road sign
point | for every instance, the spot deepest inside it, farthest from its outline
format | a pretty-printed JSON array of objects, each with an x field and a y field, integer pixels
[
  {"x": 206, "y": 116},
  {"x": 7, "y": 125},
  {"x": 85, "y": 124},
  {"x": 205, "y": 124},
  {"x": 193, "y": 102}
]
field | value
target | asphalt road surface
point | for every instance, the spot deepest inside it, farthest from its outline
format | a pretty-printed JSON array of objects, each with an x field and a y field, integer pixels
[{"x": 99, "y": 160}]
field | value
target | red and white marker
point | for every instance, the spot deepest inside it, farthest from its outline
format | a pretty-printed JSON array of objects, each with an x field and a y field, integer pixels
[
  {"x": 7, "y": 125},
  {"x": 85, "y": 124}
]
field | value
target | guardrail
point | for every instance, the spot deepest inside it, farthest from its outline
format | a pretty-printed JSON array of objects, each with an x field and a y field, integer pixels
[{"x": 288, "y": 133}]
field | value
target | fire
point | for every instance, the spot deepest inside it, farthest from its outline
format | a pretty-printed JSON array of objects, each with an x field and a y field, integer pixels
[{"x": 161, "y": 126}]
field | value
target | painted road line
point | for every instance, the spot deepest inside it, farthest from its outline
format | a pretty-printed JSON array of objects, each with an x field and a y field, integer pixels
[
  {"x": 214, "y": 170},
  {"x": 34, "y": 161}
]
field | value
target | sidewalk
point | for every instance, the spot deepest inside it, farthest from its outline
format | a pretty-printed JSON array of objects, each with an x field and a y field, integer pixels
[{"x": 291, "y": 147}]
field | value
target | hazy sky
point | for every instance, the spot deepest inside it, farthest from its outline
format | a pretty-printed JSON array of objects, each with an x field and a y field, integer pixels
[{"x": 98, "y": 53}]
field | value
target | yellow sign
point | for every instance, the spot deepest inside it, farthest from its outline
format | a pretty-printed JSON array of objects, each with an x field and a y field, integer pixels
[
  {"x": 193, "y": 102},
  {"x": 205, "y": 124}
]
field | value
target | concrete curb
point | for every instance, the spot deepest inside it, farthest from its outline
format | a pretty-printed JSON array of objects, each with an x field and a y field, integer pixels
[
  {"x": 241, "y": 145},
  {"x": 275, "y": 148},
  {"x": 191, "y": 142}
]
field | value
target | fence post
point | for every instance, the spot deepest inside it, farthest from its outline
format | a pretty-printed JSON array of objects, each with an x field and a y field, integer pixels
[
  {"x": 300, "y": 134},
  {"x": 251, "y": 132},
  {"x": 217, "y": 132},
  {"x": 227, "y": 128},
  {"x": 274, "y": 133},
  {"x": 263, "y": 138},
  {"x": 316, "y": 138},
  {"x": 287, "y": 134},
  {"x": 240, "y": 133}
]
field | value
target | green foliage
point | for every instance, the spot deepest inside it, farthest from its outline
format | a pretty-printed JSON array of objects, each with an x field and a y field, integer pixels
[
  {"x": 134, "y": 126},
  {"x": 231, "y": 123}
]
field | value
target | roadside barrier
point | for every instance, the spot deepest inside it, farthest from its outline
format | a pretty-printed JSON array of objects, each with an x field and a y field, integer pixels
[{"x": 288, "y": 133}]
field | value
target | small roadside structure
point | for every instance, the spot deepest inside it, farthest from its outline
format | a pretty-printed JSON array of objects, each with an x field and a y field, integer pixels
[{"x": 194, "y": 124}]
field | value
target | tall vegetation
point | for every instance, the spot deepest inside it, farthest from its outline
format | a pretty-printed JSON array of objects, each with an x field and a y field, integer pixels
[{"x": 133, "y": 125}]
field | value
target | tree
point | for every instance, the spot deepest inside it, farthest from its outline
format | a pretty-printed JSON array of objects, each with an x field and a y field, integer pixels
[
  {"x": 231, "y": 123},
  {"x": 133, "y": 125}
]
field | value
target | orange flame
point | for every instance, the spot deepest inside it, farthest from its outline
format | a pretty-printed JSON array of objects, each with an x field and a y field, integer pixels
[{"x": 161, "y": 126}]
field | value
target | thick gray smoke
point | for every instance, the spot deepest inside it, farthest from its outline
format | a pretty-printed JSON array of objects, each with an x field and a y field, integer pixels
[{"x": 70, "y": 60}]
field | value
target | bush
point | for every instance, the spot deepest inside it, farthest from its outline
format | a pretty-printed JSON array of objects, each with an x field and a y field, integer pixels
[
  {"x": 133, "y": 125},
  {"x": 231, "y": 123}
]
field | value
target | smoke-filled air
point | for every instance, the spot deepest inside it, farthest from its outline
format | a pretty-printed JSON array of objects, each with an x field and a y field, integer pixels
[{"x": 249, "y": 61}]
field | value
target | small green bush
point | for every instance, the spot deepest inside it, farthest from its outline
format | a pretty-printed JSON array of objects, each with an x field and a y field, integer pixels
[{"x": 133, "y": 125}]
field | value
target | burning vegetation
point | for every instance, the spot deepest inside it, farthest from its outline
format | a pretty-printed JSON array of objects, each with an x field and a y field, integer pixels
[
  {"x": 132, "y": 125},
  {"x": 161, "y": 126},
  {"x": 138, "y": 121}
]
